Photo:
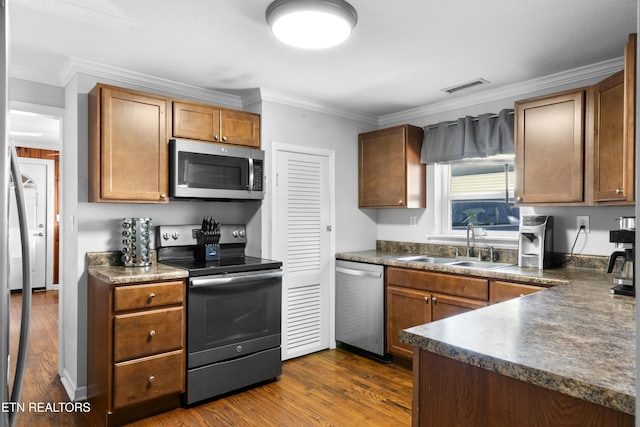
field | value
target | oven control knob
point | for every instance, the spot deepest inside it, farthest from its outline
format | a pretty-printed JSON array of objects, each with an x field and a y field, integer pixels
[
  {"x": 235, "y": 232},
  {"x": 239, "y": 349},
  {"x": 242, "y": 232},
  {"x": 165, "y": 236},
  {"x": 175, "y": 236}
]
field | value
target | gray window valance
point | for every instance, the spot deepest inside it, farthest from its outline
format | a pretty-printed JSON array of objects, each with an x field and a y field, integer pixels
[{"x": 468, "y": 137}]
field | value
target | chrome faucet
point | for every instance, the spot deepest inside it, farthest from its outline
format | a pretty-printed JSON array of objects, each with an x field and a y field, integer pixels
[{"x": 473, "y": 235}]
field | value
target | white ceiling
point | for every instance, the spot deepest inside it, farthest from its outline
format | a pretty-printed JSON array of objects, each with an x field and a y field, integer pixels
[{"x": 400, "y": 56}]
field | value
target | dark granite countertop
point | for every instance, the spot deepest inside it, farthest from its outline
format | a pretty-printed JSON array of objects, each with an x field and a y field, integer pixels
[{"x": 574, "y": 338}]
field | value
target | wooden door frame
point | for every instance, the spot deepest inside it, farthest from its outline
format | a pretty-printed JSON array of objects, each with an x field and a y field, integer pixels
[{"x": 37, "y": 153}]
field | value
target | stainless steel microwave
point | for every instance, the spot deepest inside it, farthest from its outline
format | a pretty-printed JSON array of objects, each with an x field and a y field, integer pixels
[{"x": 203, "y": 170}]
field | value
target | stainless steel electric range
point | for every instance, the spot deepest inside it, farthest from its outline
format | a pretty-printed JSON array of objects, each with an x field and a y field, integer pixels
[{"x": 234, "y": 305}]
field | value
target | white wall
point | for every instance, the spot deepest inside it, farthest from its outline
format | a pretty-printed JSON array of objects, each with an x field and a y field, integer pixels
[
  {"x": 355, "y": 229},
  {"x": 393, "y": 224}
]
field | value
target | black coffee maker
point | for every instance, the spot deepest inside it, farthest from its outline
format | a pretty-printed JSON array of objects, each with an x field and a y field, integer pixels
[{"x": 625, "y": 282}]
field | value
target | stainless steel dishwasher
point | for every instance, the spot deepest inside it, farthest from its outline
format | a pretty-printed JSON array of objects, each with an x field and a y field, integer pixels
[{"x": 360, "y": 306}]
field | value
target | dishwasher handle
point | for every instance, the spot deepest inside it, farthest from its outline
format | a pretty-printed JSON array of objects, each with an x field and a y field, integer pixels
[{"x": 361, "y": 273}]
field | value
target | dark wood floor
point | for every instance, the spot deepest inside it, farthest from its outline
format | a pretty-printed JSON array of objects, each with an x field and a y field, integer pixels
[{"x": 328, "y": 388}]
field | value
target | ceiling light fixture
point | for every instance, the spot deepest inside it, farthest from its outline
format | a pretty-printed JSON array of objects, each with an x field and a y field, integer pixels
[{"x": 311, "y": 24}]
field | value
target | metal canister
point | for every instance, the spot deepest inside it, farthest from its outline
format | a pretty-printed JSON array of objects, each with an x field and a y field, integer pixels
[{"x": 136, "y": 250}]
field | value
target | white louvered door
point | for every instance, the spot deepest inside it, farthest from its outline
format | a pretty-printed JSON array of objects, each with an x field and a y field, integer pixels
[{"x": 302, "y": 232}]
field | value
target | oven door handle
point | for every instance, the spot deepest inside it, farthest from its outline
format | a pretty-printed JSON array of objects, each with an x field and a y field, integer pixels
[{"x": 198, "y": 283}]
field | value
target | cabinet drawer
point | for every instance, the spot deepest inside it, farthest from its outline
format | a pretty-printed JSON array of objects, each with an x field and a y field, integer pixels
[
  {"x": 149, "y": 332},
  {"x": 503, "y": 291},
  {"x": 147, "y": 296},
  {"x": 144, "y": 379},
  {"x": 469, "y": 287}
]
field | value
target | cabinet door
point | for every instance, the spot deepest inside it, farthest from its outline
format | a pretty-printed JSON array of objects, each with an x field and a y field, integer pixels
[
  {"x": 610, "y": 148},
  {"x": 133, "y": 153},
  {"x": 614, "y": 148},
  {"x": 196, "y": 121},
  {"x": 503, "y": 291},
  {"x": 550, "y": 149},
  {"x": 447, "y": 306},
  {"x": 405, "y": 308},
  {"x": 240, "y": 128},
  {"x": 390, "y": 172}
]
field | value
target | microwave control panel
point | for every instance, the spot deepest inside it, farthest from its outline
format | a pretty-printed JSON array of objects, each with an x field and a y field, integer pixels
[{"x": 257, "y": 176}]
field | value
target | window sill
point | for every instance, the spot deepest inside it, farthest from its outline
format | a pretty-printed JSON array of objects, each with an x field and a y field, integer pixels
[{"x": 503, "y": 242}]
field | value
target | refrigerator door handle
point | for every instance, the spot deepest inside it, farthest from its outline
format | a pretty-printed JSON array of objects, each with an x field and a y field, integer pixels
[{"x": 21, "y": 362}]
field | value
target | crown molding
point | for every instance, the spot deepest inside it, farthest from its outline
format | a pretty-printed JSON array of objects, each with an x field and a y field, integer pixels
[
  {"x": 307, "y": 104},
  {"x": 74, "y": 66},
  {"x": 577, "y": 75}
]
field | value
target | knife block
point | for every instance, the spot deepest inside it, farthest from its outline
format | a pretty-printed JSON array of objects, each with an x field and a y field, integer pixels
[{"x": 206, "y": 251}]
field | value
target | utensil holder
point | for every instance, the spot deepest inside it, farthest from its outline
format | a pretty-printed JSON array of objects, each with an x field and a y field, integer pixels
[
  {"x": 206, "y": 251},
  {"x": 136, "y": 242}
]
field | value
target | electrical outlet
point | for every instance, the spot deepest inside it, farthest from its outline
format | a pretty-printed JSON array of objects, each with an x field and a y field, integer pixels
[
  {"x": 583, "y": 220},
  {"x": 412, "y": 221}
]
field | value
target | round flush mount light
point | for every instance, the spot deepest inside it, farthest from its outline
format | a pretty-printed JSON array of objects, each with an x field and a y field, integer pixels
[{"x": 311, "y": 24}]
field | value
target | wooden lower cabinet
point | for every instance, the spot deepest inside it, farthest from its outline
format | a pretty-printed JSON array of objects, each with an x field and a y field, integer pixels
[
  {"x": 450, "y": 393},
  {"x": 500, "y": 291},
  {"x": 415, "y": 297},
  {"x": 136, "y": 349},
  {"x": 405, "y": 308}
]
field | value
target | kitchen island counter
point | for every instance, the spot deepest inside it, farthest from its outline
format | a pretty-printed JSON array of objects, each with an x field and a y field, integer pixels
[{"x": 574, "y": 338}]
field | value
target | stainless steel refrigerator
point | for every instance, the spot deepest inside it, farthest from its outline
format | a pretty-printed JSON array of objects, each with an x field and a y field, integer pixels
[{"x": 9, "y": 168}]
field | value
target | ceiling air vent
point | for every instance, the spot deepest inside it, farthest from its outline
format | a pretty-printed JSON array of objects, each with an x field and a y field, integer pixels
[{"x": 466, "y": 85}]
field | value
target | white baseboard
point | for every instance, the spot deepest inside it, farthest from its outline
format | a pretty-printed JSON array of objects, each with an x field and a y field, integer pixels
[{"x": 75, "y": 393}]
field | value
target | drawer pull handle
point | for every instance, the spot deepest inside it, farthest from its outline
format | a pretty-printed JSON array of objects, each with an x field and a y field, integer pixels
[
  {"x": 152, "y": 296},
  {"x": 152, "y": 333},
  {"x": 152, "y": 378}
]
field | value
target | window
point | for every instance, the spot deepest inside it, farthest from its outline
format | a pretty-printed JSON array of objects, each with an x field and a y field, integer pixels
[{"x": 479, "y": 193}]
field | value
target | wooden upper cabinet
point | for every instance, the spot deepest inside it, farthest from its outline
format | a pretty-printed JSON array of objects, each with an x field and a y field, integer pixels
[
  {"x": 196, "y": 121},
  {"x": 240, "y": 128},
  {"x": 390, "y": 172},
  {"x": 614, "y": 153},
  {"x": 609, "y": 148},
  {"x": 550, "y": 145},
  {"x": 128, "y": 146},
  {"x": 578, "y": 147},
  {"x": 215, "y": 124}
]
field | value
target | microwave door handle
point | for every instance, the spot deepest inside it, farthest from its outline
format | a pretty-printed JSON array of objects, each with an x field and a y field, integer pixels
[
  {"x": 250, "y": 186},
  {"x": 185, "y": 173}
]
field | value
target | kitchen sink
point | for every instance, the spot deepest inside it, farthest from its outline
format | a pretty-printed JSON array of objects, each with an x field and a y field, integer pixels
[
  {"x": 486, "y": 265},
  {"x": 426, "y": 259}
]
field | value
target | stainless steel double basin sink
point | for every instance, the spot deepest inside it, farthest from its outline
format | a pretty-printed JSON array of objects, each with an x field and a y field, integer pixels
[{"x": 454, "y": 262}]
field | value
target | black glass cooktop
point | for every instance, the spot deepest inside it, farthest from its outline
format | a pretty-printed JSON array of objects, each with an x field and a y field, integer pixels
[{"x": 224, "y": 265}]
